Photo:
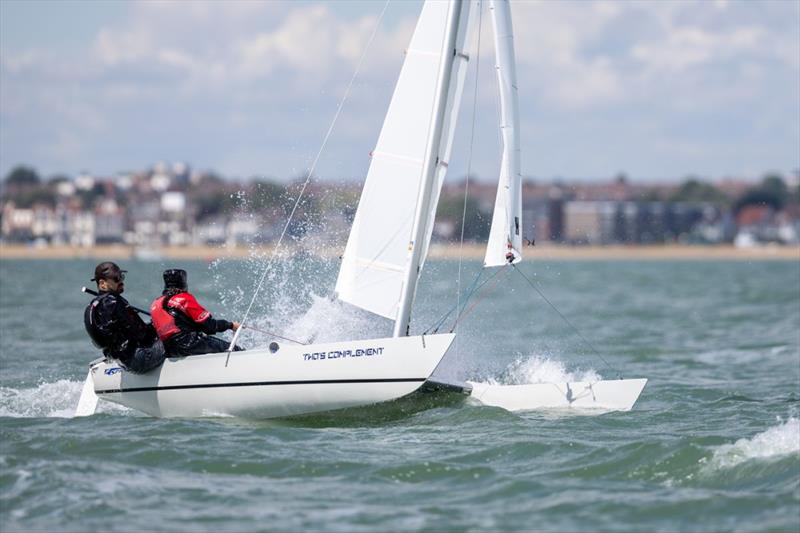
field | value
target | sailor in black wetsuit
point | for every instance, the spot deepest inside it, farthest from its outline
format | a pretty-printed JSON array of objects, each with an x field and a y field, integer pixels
[{"x": 115, "y": 327}]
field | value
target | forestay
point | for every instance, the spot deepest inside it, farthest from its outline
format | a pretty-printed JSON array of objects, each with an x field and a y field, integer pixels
[
  {"x": 505, "y": 235},
  {"x": 418, "y": 129}
]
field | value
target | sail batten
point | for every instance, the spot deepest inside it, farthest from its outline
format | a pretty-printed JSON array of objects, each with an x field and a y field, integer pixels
[{"x": 396, "y": 156}]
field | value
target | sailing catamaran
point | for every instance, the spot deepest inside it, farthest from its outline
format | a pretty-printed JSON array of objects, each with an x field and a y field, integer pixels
[{"x": 381, "y": 265}]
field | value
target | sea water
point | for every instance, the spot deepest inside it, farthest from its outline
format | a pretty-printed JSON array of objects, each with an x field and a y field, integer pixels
[{"x": 712, "y": 445}]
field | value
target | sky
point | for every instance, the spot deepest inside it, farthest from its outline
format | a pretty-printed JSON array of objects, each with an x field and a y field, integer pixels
[{"x": 658, "y": 90}]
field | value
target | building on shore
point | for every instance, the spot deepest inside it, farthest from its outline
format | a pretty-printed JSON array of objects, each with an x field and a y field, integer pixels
[{"x": 172, "y": 205}]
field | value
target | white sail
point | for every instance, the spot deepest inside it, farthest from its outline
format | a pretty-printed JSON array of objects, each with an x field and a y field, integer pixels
[
  {"x": 403, "y": 181},
  {"x": 505, "y": 236}
]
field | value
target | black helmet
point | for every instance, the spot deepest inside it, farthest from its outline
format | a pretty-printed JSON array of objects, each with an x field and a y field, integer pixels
[
  {"x": 108, "y": 270},
  {"x": 175, "y": 278}
]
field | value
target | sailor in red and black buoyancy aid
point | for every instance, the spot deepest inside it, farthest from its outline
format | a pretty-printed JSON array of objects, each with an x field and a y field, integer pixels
[{"x": 184, "y": 326}]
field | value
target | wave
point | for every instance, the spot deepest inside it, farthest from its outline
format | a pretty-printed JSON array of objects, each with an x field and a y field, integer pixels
[
  {"x": 537, "y": 369},
  {"x": 47, "y": 400},
  {"x": 776, "y": 442}
]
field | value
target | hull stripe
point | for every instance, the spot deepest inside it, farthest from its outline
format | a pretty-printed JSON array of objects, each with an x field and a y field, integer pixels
[{"x": 260, "y": 384}]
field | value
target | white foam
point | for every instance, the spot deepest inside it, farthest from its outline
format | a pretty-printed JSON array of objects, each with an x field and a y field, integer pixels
[
  {"x": 537, "y": 369},
  {"x": 48, "y": 400},
  {"x": 777, "y": 441}
]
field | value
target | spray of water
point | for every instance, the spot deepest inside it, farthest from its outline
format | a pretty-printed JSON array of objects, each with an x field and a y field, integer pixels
[
  {"x": 541, "y": 369},
  {"x": 295, "y": 299},
  {"x": 330, "y": 320}
]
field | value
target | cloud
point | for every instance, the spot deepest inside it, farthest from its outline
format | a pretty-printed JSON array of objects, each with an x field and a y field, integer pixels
[
  {"x": 114, "y": 47},
  {"x": 172, "y": 75},
  {"x": 690, "y": 47},
  {"x": 553, "y": 57},
  {"x": 307, "y": 40}
]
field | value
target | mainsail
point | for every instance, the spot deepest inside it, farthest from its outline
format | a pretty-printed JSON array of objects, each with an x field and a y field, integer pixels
[
  {"x": 505, "y": 236},
  {"x": 391, "y": 231}
]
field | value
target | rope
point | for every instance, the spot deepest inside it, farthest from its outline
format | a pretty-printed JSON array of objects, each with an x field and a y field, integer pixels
[
  {"x": 275, "y": 335},
  {"x": 469, "y": 165},
  {"x": 438, "y": 324},
  {"x": 567, "y": 321},
  {"x": 464, "y": 313},
  {"x": 308, "y": 179}
]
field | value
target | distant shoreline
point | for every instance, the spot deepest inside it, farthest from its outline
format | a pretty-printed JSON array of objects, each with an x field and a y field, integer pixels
[{"x": 439, "y": 251}]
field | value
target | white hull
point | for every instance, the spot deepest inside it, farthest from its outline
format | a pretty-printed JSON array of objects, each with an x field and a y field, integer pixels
[
  {"x": 611, "y": 395},
  {"x": 295, "y": 380}
]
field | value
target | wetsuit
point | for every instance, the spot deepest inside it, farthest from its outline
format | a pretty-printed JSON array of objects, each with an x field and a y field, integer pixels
[
  {"x": 116, "y": 328},
  {"x": 186, "y": 328}
]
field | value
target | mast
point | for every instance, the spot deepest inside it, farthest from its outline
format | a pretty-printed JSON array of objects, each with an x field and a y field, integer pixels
[{"x": 423, "y": 211}]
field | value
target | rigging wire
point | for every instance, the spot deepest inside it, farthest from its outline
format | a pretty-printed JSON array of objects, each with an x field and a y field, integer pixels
[
  {"x": 473, "y": 289},
  {"x": 469, "y": 169},
  {"x": 466, "y": 312},
  {"x": 308, "y": 178},
  {"x": 469, "y": 292},
  {"x": 270, "y": 334},
  {"x": 565, "y": 319}
]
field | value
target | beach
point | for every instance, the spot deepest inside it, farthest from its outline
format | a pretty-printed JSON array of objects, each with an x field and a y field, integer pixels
[{"x": 438, "y": 251}]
